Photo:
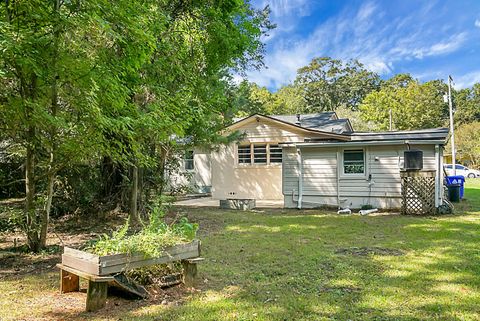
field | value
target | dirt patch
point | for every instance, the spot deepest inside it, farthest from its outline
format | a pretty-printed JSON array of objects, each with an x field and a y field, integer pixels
[
  {"x": 208, "y": 223},
  {"x": 366, "y": 251},
  {"x": 71, "y": 306},
  {"x": 19, "y": 264}
]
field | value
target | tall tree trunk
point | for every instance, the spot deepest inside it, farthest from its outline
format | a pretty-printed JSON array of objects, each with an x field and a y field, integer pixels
[
  {"x": 29, "y": 92},
  {"x": 141, "y": 197},
  {"x": 45, "y": 218},
  {"x": 163, "y": 169},
  {"x": 31, "y": 228},
  {"x": 134, "y": 217}
]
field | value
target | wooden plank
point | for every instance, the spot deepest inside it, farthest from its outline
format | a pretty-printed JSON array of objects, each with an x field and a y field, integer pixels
[
  {"x": 81, "y": 265},
  {"x": 111, "y": 260},
  {"x": 189, "y": 273},
  {"x": 161, "y": 260},
  {"x": 84, "y": 275},
  {"x": 86, "y": 262},
  {"x": 96, "y": 295},
  {"x": 81, "y": 255},
  {"x": 69, "y": 282}
]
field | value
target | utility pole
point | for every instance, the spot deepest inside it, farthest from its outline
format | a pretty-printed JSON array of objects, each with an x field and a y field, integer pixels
[{"x": 452, "y": 131}]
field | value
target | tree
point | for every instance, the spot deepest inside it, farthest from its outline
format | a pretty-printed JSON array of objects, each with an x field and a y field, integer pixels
[
  {"x": 467, "y": 141},
  {"x": 413, "y": 105},
  {"x": 288, "y": 100},
  {"x": 249, "y": 99},
  {"x": 89, "y": 80},
  {"x": 329, "y": 83},
  {"x": 48, "y": 95},
  {"x": 467, "y": 104}
]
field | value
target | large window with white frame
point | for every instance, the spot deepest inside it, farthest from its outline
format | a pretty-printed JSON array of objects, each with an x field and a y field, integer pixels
[
  {"x": 354, "y": 161},
  {"x": 259, "y": 154}
]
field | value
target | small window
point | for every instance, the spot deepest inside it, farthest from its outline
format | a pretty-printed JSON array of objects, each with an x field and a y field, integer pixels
[
  {"x": 459, "y": 167},
  {"x": 260, "y": 154},
  {"x": 275, "y": 154},
  {"x": 188, "y": 160},
  {"x": 244, "y": 154},
  {"x": 353, "y": 162}
]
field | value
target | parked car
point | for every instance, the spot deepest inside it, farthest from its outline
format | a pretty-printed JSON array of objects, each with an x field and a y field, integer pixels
[{"x": 462, "y": 170}]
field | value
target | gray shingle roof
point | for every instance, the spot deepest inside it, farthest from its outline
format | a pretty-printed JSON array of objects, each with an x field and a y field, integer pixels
[{"x": 326, "y": 121}]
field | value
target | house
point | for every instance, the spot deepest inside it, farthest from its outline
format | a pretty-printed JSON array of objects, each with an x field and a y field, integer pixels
[
  {"x": 194, "y": 175},
  {"x": 319, "y": 160}
]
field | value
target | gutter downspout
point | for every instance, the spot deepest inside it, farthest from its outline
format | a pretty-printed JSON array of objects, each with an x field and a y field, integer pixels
[
  {"x": 338, "y": 179},
  {"x": 300, "y": 178},
  {"x": 438, "y": 177}
]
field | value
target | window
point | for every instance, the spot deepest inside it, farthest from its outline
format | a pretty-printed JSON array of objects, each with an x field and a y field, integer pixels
[
  {"x": 260, "y": 154},
  {"x": 459, "y": 167},
  {"x": 275, "y": 154},
  {"x": 353, "y": 162},
  {"x": 263, "y": 154},
  {"x": 244, "y": 154},
  {"x": 188, "y": 160}
]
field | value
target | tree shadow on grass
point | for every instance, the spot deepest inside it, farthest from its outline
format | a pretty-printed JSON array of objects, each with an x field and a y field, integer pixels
[{"x": 285, "y": 267}]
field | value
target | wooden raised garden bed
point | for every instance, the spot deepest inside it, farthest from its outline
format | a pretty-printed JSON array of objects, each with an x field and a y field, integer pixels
[{"x": 100, "y": 271}]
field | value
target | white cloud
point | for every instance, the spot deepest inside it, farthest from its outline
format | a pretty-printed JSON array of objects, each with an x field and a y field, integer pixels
[
  {"x": 477, "y": 23},
  {"x": 378, "y": 66},
  {"x": 356, "y": 33},
  {"x": 285, "y": 14},
  {"x": 442, "y": 47},
  {"x": 467, "y": 80},
  {"x": 282, "y": 8}
]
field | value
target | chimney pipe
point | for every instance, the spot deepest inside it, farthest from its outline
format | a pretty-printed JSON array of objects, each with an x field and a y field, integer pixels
[{"x": 298, "y": 119}]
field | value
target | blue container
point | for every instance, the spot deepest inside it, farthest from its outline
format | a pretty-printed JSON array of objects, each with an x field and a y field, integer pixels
[{"x": 458, "y": 179}]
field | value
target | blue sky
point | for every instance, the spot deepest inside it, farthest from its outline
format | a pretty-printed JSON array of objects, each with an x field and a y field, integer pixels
[{"x": 428, "y": 39}]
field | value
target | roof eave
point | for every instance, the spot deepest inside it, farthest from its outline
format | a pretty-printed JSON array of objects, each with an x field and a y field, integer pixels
[{"x": 367, "y": 143}]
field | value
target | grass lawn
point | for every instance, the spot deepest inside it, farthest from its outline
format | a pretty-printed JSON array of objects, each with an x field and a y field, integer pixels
[{"x": 295, "y": 265}]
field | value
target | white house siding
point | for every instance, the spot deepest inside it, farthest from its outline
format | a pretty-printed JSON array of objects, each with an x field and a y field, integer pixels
[
  {"x": 202, "y": 178},
  {"x": 383, "y": 163},
  {"x": 198, "y": 180},
  {"x": 233, "y": 180}
]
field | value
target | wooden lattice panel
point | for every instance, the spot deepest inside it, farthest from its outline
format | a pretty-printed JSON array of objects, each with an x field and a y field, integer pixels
[{"x": 418, "y": 193}]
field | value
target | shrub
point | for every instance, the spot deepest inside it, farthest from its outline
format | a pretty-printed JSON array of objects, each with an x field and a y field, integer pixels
[{"x": 150, "y": 241}]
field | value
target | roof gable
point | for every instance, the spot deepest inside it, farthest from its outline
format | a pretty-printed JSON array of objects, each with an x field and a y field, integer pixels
[{"x": 310, "y": 132}]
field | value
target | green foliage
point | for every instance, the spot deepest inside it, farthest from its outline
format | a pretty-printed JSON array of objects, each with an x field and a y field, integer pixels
[
  {"x": 413, "y": 105},
  {"x": 467, "y": 104},
  {"x": 330, "y": 83},
  {"x": 355, "y": 117},
  {"x": 249, "y": 99},
  {"x": 151, "y": 274},
  {"x": 11, "y": 219},
  {"x": 85, "y": 80},
  {"x": 150, "y": 241},
  {"x": 326, "y": 84},
  {"x": 467, "y": 143}
]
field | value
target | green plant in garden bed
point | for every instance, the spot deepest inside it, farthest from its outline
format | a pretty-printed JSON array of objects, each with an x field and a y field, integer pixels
[{"x": 151, "y": 240}]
